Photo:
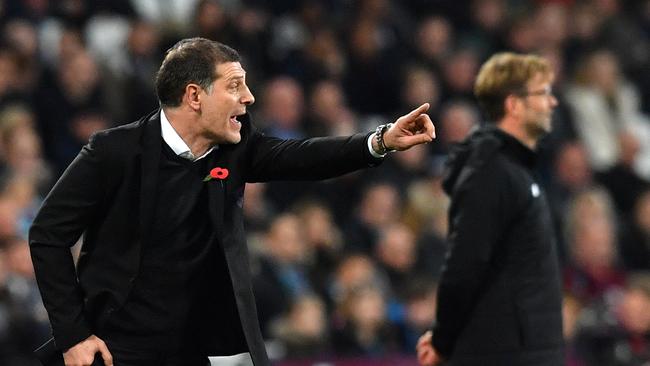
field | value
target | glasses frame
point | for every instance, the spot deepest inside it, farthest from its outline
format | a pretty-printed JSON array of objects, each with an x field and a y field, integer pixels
[{"x": 547, "y": 91}]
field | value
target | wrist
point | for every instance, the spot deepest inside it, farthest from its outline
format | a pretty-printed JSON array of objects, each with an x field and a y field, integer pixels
[{"x": 378, "y": 143}]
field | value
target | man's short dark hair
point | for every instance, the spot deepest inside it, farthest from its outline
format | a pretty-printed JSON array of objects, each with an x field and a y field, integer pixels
[{"x": 191, "y": 60}]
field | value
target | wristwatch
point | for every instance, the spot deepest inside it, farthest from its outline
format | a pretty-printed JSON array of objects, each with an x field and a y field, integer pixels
[{"x": 379, "y": 137}]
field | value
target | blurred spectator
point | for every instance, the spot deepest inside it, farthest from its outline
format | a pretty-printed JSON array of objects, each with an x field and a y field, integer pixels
[
  {"x": 372, "y": 90},
  {"x": 552, "y": 24},
  {"x": 13, "y": 350},
  {"x": 321, "y": 57},
  {"x": 354, "y": 271},
  {"x": 426, "y": 214},
  {"x": 459, "y": 72},
  {"x": 8, "y": 76},
  {"x": 328, "y": 112},
  {"x": 635, "y": 237},
  {"x": 21, "y": 284},
  {"x": 212, "y": 22},
  {"x": 420, "y": 86},
  {"x": 621, "y": 180},
  {"x": 303, "y": 332},
  {"x": 593, "y": 272},
  {"x": 20, "y": 146},
  {"x": 604, "y": 105},
  {"x": 379, "y": 208},
  {"x": 174, "y": 15},
  {"x": 617, "y": 332},
  {"x": 324, "y": 239},
  {"x": 257, "y": 210},
  {"x": 571, "y": 309},
  {"x": 283, "y": 104},
  {"x": 396, "y": 255},
  {"x": 419, "y": 312},
  {"x": 403, "y": 168},
  {"x": 434, "y": 37},
  {"x": 130, "y": 83},
  {"x": 363, "y": 329},
  {"x": 281, "y": 276},
  {"x": 21, "y": 36},
  {"x": 457, "y": 119},
  {"x": 572, "y": 174},
  {"x": 522, "y": 34},
  {"x": 19, "y": 194},
  {"x": 75, "y": 88}
]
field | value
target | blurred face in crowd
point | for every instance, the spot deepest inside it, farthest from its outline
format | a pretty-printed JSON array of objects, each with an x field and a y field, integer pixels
[
  {"x": 538, "y": 102},
  {"x": 594, "y": 244},
  {"x": 284, "y": 102},
  {"x": 457, "y": 121},
  {"x": 367, "y": 307},
  {"x": 421, "y": 311},
  {"x": 434, "y": 36},
  {"x": 421, "y": 87},
  {"x": 633, "y": 311},
  {"x": 308, "y": 317},
  {"x": 226, "y": 100},
  {"x": 380, "y": 205},
  {"x": 572, "y": 166},
  {"x": 285, "y": 239},
  {"x": 397, "y": 248}
]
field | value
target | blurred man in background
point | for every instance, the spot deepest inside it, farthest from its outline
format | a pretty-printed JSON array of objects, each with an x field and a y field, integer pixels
[{"x": 499, "y": 299}]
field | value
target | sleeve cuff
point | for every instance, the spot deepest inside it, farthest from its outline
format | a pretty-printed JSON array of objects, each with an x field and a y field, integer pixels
[
  {"x": 442, "y": 345},
  {"x": 70, "y": 336}
]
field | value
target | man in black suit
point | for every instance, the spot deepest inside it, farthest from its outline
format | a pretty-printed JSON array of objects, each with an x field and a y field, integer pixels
[
  {"x": 499, "y": 297},
  {"x": 163, "y": 275}
]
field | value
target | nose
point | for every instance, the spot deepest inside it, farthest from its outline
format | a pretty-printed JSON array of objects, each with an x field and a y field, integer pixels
[{"x": 247, "y": 97}]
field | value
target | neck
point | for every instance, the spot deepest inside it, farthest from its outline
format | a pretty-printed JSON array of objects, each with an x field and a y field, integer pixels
[
  {"x": 184, "y": 123},
  {"x": 515, "y": 128}
]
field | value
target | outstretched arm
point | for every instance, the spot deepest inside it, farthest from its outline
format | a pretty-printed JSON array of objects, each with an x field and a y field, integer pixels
[{"x": 272, "y": 158}]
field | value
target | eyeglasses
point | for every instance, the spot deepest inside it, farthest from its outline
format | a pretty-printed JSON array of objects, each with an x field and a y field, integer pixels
[{"x": 547, "y": 91}]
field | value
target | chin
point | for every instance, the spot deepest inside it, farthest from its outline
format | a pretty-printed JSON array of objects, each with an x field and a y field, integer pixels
[{"x": 234, "y": 139}]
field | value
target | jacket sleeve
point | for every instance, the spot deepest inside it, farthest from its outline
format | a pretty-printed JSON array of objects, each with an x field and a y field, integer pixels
[
  {"x": 271, "y": 158},
  {"x": 476, "y": 223},
  {"x": 63, "y": 217}
]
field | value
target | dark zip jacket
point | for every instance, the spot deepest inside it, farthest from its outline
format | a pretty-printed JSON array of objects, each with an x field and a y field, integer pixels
[{"x": 499, "y": 299}]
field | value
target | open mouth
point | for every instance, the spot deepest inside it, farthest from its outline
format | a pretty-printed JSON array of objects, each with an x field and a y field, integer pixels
[{"x": 233, "y": 119}]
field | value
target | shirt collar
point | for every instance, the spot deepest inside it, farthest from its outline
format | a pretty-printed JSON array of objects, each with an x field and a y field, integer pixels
[{"x": 174, "y": 140}]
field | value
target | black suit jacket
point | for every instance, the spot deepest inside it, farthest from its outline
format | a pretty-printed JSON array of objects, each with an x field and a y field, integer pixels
[{"x": 107, "y": 194}]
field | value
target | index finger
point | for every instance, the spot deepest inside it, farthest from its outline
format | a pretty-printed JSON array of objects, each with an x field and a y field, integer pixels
[{"x": 418, "y": 111}]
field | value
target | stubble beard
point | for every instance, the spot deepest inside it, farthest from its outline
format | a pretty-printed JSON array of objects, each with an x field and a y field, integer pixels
[{"x": 538, "y": 129}]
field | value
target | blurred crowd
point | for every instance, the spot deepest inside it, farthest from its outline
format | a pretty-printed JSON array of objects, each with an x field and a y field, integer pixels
[{"x": 347, "y": 268}]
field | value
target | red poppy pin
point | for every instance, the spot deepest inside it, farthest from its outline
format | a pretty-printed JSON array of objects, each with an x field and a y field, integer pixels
[{"x": 216, "y": 173}]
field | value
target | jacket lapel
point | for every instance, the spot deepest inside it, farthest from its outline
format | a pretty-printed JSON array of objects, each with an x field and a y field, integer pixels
[
  {"x": 151, "y": 145},
  {"x": 216, "y": 194}
]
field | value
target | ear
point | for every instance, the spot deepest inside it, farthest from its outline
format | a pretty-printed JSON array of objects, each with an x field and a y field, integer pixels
[
  {"x": 511, "y": 104},
  {"x": 192, "y": 96}
]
